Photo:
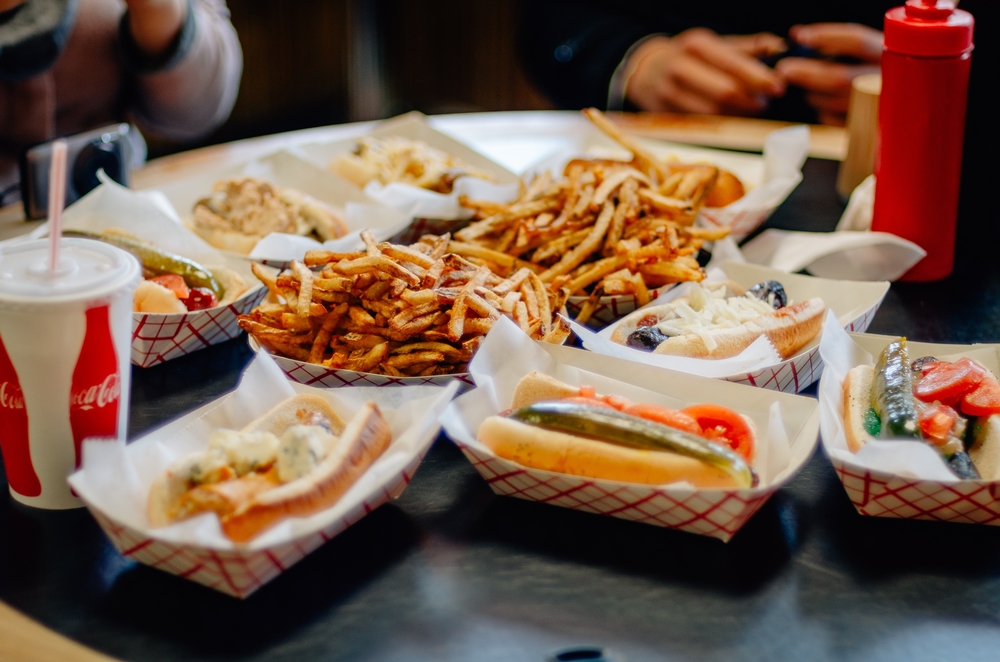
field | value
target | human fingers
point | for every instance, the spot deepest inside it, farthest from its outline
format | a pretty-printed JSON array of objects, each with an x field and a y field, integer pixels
[
  {"x": 716, "y": 85},
  {"x": 850, "y": 39},
  {"x": 747, "y": 71},
  {"x": 757, "y": 45},
  {"x": 819, "y": 75}
]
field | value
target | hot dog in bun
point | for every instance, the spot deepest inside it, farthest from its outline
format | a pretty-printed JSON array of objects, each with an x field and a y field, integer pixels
[
  {"x": 954, "y": 406},
  {"x": 557, "y": 427},
  {"x": 295, "y": 460},
  {"x": 719, "y": 320}
]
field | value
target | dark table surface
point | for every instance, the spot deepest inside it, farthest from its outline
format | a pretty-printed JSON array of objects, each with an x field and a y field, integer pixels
[{"x": 451, "y": 572}]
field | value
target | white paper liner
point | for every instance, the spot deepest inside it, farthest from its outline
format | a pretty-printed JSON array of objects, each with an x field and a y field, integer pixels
[
  {"x": 902, "y": 479},
  {"x": 787, "y": 425},
  {"x": 854, "y": 305},
  {"x": 312, "y": 374},
  {"x": 871, "y": 256},
  {"x": 158, "y": 337},
  {"x": 114, "y": 479}
]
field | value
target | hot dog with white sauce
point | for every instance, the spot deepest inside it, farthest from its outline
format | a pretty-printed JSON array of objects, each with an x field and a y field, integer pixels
[
  {"x": 295, "y": 460},
  {"x": 557, "y": 427},
  {"x": 720, "y": 320}
]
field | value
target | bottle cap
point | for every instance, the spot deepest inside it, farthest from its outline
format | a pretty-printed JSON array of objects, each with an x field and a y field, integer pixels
[
  {"x": 928, "y": 28},
  {"x": 86, "y": 268}
]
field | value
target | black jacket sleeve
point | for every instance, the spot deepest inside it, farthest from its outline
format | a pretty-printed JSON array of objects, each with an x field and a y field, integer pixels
[{"x": 570, "y": 49}]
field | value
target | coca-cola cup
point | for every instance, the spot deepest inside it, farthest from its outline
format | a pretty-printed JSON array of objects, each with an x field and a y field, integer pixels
[{"x": 65, "y": 337}]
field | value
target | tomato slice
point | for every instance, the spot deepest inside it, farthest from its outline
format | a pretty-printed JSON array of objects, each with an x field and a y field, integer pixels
[
  {"x": 984, "y": 400},
  {"x": 588, "y": 392},
  {"x": 617, "y": 401},
  {"x": 936, "y": 422},
  {"x": 664, "y": 415},
  {"x": 720, "y": 423},
  {"x": 948, "y": 380},
  {"x": 174, "y": 283}
]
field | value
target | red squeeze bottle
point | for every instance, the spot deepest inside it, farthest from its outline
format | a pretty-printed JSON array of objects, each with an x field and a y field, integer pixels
[{"x": 918, "y": 162}]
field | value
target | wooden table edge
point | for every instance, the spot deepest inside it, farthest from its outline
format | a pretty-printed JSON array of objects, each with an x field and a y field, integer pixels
[{"x": 26, "y": 640}]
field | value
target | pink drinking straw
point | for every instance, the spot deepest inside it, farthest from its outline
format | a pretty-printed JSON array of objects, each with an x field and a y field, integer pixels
[{"x": 57, "y": 198}]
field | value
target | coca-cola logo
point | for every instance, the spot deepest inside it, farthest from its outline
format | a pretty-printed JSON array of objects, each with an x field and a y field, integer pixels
[
  {"x": 11, "y": 396},
  {"x": 98, "y": 395}
]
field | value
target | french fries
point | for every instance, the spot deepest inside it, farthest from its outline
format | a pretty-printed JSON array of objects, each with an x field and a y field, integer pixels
[
  {"x": 607, "y": 227},
  {"x": 404, "y": 311}
]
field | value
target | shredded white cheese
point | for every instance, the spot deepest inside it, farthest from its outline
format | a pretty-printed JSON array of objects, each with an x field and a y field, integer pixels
[{"x": 706, "y": 310}]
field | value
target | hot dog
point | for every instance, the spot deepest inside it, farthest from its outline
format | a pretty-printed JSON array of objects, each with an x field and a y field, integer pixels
[
  {"x": 719, "y": 320},
  {"x": 172, "y": 284},
  {"x": 293, "y": 461},
  {"x": 952, "y": 406},
  {"x": 557, "y": 427}
]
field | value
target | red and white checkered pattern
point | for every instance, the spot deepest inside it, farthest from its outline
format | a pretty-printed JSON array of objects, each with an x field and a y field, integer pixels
[
  {"x": 311, "y": 374},
  {"x": 715, "y": 513},
  {"x": 740, "y": 223},
  {"x": 611, "y": 308},
  {"x": 798, "y": 372},
  {"x": 158, "y": 337},
  {"x": 240, "y": 572},
  {"x": 879, "y": 494}
]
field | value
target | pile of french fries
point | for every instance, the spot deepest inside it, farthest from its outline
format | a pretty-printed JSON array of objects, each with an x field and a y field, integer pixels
[
  {"x": 605, "y": 228},
  {"x": 404, "y": 311}
]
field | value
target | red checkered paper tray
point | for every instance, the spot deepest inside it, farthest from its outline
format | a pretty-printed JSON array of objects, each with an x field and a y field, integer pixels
[
  {"x": 115, "y": 479},
  {"x": 853, "y": 303},
  {"x": 312, "y": 374},
  {"x": 787, "y": 428},
  {"x": 902, "y": 479},
  {"x": 158, "y": 337}
]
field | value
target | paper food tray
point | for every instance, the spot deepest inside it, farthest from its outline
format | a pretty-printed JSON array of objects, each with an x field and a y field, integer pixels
[
  {"x": 114, "y": 483},
  {"x": 875, "y": 485},
  {"x": 416, "y": 202},
  {"x": 158, "y": 337},
  {"x": 284, "y": 168},
  {"x": 788, "y": 423},
  {"x": 854, "y": 303},
  {"x": 312, "y": 374},
  {"x": 768, "y": 179}
]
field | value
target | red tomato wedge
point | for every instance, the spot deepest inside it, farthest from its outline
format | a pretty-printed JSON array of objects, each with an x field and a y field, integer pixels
[
  {"x": 617, "y": 402},
  {"x": 949, "y": 380},
  {"x": 936, "y": 421},
  {"x": 174, "y": 283},
  {"x": 665, "y": 415},
  {"x": 723, "y": 424},
  {"x": 588, "y": 392},
  {"x": 984, "y": 400}
]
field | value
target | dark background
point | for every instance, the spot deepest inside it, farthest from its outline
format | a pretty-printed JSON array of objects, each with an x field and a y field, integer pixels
[{"x": 436, "y": 56}]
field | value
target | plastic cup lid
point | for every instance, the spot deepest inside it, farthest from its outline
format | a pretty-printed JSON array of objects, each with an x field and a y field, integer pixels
[{"x": 86, "y": 267}]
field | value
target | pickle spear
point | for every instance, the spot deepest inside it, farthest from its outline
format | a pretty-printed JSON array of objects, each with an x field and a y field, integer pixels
[
  {"x": 892, "y": 392},
  {"x": 158, "y": 261},
  {"x": 617, "y": 428}
]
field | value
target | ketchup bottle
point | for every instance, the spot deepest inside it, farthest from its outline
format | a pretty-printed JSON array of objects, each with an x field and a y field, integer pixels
[{"x": 918, "y": 163}]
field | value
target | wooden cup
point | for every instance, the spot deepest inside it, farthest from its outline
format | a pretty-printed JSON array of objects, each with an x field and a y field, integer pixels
[{"x": 862, "y": 132}]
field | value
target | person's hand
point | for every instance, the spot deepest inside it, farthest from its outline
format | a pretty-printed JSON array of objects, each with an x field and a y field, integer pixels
[
  {"x": 699, "y": 71},
  {"x": 154, "y": 24},
  {"x": 828, "y": 84}
]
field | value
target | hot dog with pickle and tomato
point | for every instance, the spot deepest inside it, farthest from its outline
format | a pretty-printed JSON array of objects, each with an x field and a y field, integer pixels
[
  {"x": 566, "y": 429},
  {"x": 954, "y": 406}
]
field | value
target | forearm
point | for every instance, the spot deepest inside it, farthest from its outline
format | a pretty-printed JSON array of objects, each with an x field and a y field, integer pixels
[
  {"x": 194, "y": 91},
  {"x": 155, "y": 24}
]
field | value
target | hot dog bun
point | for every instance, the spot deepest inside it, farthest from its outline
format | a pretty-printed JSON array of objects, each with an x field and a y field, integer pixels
[
  {"x": 564, "y": 453},
  {"x": 255, "y": 501},
  {"x": 985, "y": 449},
  {"x": 857, "y": 401},
  {"x": 537, "y": 386},
  {"x": 643, "y": 316}
]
